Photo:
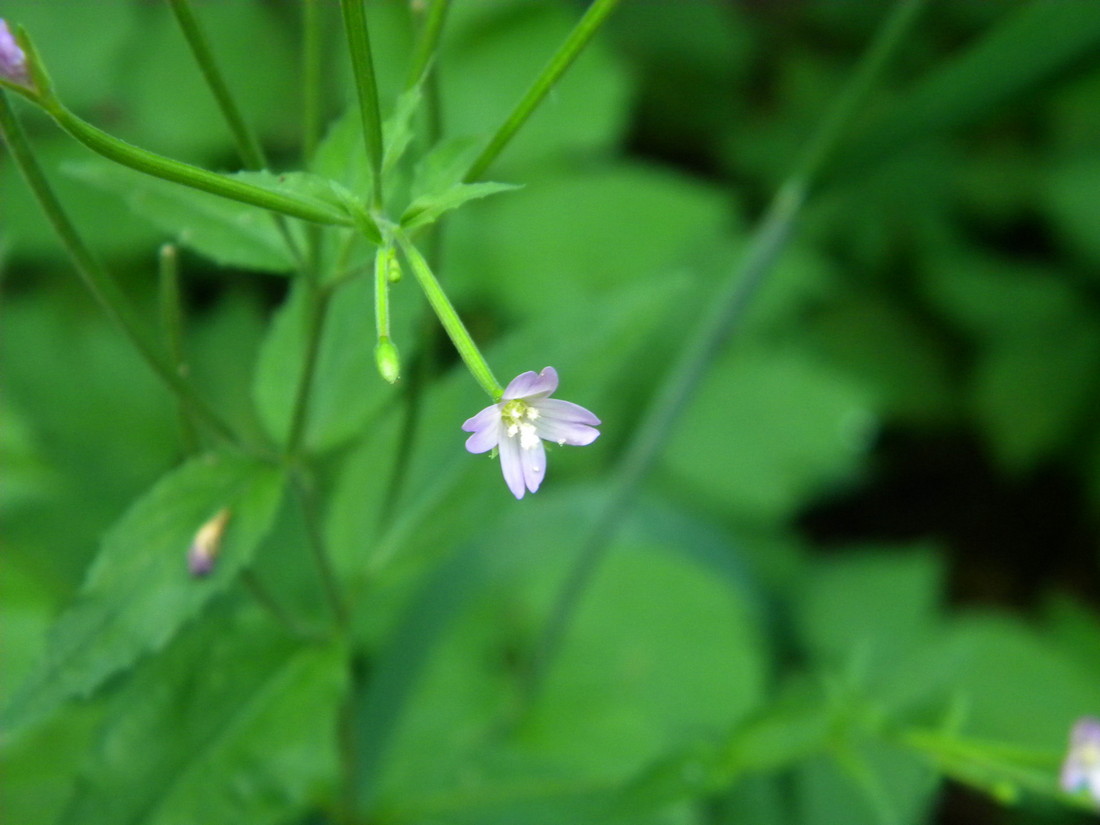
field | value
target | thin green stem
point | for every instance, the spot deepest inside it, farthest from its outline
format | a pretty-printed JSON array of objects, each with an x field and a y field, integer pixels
[
  {"x": 448, "y": 317},
  {"x": 193, "y": 176},
  {"x": 312, "y": 86},
  {"x": 317, "y": 304},
  {"x": 171, "y": 324},
  {"x": 248, "y": 146},
  {"x": 315, "y": 539},
  {"x": 588, "y": 25},
  {"x": 725, "y": 318},
  {"x": 268, "y": 602},
  {"x": 427, "y": 41},
  {"x": 366, "y": 86},
  {"x": 98, "y": 281}
]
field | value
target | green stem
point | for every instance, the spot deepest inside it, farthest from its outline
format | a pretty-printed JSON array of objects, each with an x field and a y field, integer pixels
[
  {"x": 315, "y": 539},
  {"x": 725, "y": 318},
  {"x": 267, "y": 601},
  {"x": 588, "y": 25},
  {"x": 428, "y": 40},
  {"x": 312, "y": 88},
  {"x": 448, "y": 317},
  {"x": 171, "y": 323},
  {"x": 98, "y": 281},
  {"x": 317, "y": 303},
  {"x": 193, "y": 176},
  {"x": 362, "y": 63},
  {"x": 247, "y": 145}
]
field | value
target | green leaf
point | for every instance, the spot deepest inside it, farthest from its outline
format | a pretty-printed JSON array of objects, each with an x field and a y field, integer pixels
[
  {"x": 232, "y": 724},
  {"x": 661, "y": 652},
  {"x": 865, "y": 610},
  {"x": 1073, "y": 201},
  {"x": 427, "y": 208},
  {"x": 397, "y": 131},
  {"x": 588, "y": 110},
  {"x": 138, "y": 592},
  {"x": 794, "y": 426},
  {"x": 228, "y": 232},
  {"x": 1001, "y": 66}
]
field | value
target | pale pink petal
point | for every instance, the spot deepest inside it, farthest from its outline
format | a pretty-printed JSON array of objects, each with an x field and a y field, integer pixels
[
  {"x": 531, "y": 385},
  {"x": 534, "y": 466},
  {"x": 483, "y": 420},
  {"x": 484, "y": 440},
  {"x": 511, "y": 464},
  {"x": 566, "y": 412},
  {"x": 566, "y": 432}
]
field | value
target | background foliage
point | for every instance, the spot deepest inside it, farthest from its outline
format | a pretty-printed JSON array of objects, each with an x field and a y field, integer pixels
[{"x": 861, "y": 582}]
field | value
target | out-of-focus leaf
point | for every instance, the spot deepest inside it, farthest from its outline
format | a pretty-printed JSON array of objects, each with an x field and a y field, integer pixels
[
  {"x": 787, "y": 426},
  {"x": 427, "y": 208},
  {"x": 862, "y": 612},
  {"x": 585, "y": 113},
  {"x": 627, "y": 683},
  {"x": 1073, "y": 202},
  {"x": 138, "y": 593},
  {"x": 41, "y": 769},
  {"x": 574, "y": 238},
  {"x": 872, "y": 783},
  {"x": 228, "y": 232},
  {"x": 187, "y": 123},
  {"x": 1031, "y": 392},
  {"x": 901, "y": 361},
  {"x": 1003, "y": 64},
  {"x": 232, "y": 724}
]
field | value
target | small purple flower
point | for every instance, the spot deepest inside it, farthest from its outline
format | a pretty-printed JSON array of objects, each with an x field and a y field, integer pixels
[
  {"x": 518, "y": 423},
  {"x": 1081, "y": 770},
  {"x": 13, "y": 63}
]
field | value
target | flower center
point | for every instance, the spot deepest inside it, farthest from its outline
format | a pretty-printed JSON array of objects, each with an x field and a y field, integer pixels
[{"x": 519, "y": 418}]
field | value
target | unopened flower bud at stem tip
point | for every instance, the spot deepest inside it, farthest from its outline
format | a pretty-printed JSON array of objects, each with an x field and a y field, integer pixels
[
  {"x": 13, "y": 62},
  {"x": 387, "y": 359}
]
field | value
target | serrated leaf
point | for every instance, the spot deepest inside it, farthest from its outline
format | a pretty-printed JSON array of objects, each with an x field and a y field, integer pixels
[
  {"x": 427, "y": 208},
  {"x": 232, "y": 724},
  {"x": 228, "y": 232},
  {"x": 397, "y": 131},
  {"x": 138, "y": 593},
  {"x": 444, "y": 164}
]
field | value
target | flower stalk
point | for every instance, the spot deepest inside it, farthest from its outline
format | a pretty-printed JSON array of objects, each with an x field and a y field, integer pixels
[{"x": 450, "y": 320}]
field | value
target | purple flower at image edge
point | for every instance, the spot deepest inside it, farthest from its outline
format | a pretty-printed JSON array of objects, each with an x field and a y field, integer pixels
[
  {"x": 518, "y": 424},
  {"x": 1081, "y": 770},
  {"x": 13, "y": 63}
]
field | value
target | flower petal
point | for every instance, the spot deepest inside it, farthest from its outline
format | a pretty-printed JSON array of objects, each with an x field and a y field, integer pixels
[
  {"x": 531, "y": 385},
  {"x": 563, "y": 432},
  {"x": 483, "y": 440},
  {"x": 566, "y": 412},
  {"x": 534, "y": 466},
  {"x": 511, "y": 464},
  {"x": 483, "y": 420}
]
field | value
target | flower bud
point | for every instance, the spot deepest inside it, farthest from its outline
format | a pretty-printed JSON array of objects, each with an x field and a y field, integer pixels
[
  {"x": 13, "y": 62},
  {"x": 203, "y": 552},
  {"x": 385, "y": 356}
]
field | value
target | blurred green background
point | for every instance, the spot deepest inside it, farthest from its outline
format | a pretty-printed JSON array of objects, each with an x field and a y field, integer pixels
[{"x": 881, "y": 509}]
